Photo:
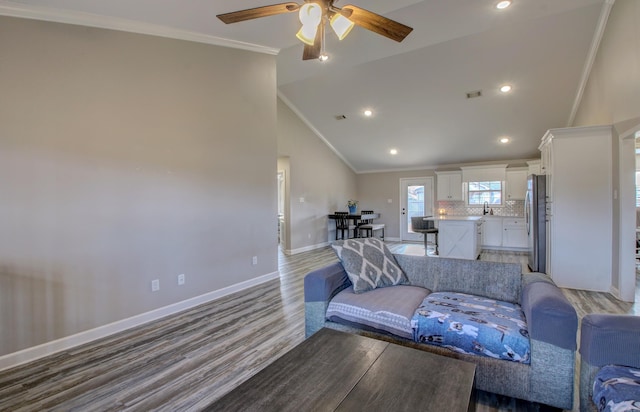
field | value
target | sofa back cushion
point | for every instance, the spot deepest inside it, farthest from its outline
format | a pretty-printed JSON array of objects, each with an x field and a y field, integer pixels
[
  {"x": 495, "y": 280},
  {"x": 369, "y": 264}
]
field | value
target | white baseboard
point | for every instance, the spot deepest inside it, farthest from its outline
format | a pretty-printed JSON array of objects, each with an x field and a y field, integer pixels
[
  {"x": 615, "y": 292},
  {"x": 306, "y": 248},
  {"x": 30, "y": 354}
]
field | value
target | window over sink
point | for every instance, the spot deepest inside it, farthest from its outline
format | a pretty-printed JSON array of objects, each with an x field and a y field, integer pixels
[{"x": 479, "y": 192}]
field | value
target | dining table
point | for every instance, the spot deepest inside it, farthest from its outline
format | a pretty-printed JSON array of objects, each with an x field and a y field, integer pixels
[{"x": 357, "y": 218}]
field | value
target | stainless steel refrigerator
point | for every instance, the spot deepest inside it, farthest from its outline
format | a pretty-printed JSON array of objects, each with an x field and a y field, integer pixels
[{"x": 535, "y": 217}]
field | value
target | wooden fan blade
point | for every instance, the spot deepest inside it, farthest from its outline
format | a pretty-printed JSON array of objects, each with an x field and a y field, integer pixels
[
  {"x": 313, "y": 52},
  {"x": 257, "y": 12},
  {"x": 376, "y": 23}
]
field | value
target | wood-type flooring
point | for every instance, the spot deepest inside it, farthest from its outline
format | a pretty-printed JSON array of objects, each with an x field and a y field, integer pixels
[{"x": 186, "y": 361}]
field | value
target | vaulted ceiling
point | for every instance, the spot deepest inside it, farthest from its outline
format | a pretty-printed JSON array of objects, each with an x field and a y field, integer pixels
[{"x": 416, "y": 89}]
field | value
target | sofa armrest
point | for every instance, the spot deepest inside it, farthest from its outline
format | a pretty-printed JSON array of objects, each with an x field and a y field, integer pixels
[
  {"x": 323, "y": 284},
  {"x": 550, "y": 316},
  {"x": 320, "y": 286},
  {"x": 607, "y": 339}
]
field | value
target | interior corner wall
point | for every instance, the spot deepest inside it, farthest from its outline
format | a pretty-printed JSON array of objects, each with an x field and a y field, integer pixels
[
  {"x": 319, "y": 182},
  {"x": 126, "y": 158},
  {"x": 612, "y": 94}
]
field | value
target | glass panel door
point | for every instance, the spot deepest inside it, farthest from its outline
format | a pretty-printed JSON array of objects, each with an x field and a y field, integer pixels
[{"x": 416, "y": 199}]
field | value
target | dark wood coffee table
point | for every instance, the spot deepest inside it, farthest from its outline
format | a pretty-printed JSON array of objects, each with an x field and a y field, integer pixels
[{"x": 337, "y": 371}]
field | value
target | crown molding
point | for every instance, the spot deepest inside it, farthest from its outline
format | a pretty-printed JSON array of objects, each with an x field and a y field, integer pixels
[{"x": 11, "y": 9}]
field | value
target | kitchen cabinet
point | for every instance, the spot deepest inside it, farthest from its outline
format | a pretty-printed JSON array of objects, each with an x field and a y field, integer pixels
[
  {"x": 492, "y": 232},
  {"x": 514, "y": 233},
  {"x": 534, "y": 167},
  {"x": 502, "y": 232},
  {"x": 459, "y": 236},
  {"x": 516, "y": 187},
  {"x": 449, "y": 185},
  {"x": 546, "y": 166},
  {"x": 579, "y": 166}
]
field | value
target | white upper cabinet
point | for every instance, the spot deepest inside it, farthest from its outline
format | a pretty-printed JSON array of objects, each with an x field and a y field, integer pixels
[
  {"x": 534, "y": 167},
  {"x": 449, "y": 185},
  {"x": 516, "y": 184}
]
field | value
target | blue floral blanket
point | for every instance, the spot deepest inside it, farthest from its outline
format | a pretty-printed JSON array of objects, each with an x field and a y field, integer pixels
[
  {"x": 617, "y": 388},
  {"x": 474, "y": 325}
]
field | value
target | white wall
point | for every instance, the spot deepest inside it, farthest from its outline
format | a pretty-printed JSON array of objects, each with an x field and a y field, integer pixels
[{"x": 126, "y": 158}]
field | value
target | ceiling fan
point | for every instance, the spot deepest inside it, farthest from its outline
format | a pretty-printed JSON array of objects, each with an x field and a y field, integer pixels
[{"x": 314, "y": 14}]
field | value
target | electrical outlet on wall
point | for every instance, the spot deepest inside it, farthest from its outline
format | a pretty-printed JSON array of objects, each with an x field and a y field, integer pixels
[
  {"x": 155, "y": 285},
  {"x": 181, "y": 279},
  {"x": 254, "y": 260}
]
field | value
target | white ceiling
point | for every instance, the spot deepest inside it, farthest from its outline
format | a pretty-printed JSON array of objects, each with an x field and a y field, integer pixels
[{"x": 415, "y": 88}]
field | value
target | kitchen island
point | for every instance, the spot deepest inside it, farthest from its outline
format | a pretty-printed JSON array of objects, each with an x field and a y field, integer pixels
[{"x": 459, "y": 236}]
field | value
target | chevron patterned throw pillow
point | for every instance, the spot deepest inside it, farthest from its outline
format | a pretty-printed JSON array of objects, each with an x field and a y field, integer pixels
[{"x": 369, "y": 264}]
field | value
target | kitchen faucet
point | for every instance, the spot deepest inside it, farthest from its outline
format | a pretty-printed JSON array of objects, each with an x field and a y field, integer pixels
[{"x": 485, "y": 208}]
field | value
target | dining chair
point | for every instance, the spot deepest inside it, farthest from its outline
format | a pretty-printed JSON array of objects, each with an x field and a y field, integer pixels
[
  {"x": 343, "y": 224},
  {"x": 419, "y": 225},
  {"x": 367, "y": 225}
]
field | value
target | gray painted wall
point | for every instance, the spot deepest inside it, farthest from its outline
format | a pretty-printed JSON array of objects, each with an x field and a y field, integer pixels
[
  {"x": 612, "y": 96},
  {"x": 317, "y": 175},
  {"x": 126, "y": 158}
]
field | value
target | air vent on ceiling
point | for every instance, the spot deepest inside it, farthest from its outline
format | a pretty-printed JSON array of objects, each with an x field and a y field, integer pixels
[
  {"x": 341, "y": 117},
  {"x": 477, "y": 93}
]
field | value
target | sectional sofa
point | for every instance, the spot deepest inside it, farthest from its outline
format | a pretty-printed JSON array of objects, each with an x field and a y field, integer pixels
[{"x": 545, "y": 376}]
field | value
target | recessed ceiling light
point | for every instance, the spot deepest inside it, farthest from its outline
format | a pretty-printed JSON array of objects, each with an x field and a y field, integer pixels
[
  {"x": 503, "y": 4},
  {"x": 505, "y": 89},
  {"x": 504, "y": 140},
  {"x": 393, "y": 151},
  {"x": 368, "y": 113}
]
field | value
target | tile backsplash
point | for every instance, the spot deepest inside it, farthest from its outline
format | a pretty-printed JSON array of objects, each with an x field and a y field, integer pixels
[{"x": 459, "y": 208}]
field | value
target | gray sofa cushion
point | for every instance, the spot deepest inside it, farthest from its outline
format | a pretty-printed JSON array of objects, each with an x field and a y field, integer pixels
[
  {"x": 369, "y": 264},
  {"x": 473, "y": 325},
  {"x": 387, "y": 309}
]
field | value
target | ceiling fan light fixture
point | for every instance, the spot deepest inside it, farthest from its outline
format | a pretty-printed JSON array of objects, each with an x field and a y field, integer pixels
[
  {"x": 310, "y": 16},
  {"x": 307, "y": 34},
  {"x": 323, "y": 57},
  {"x": 341, "y": 25}
]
